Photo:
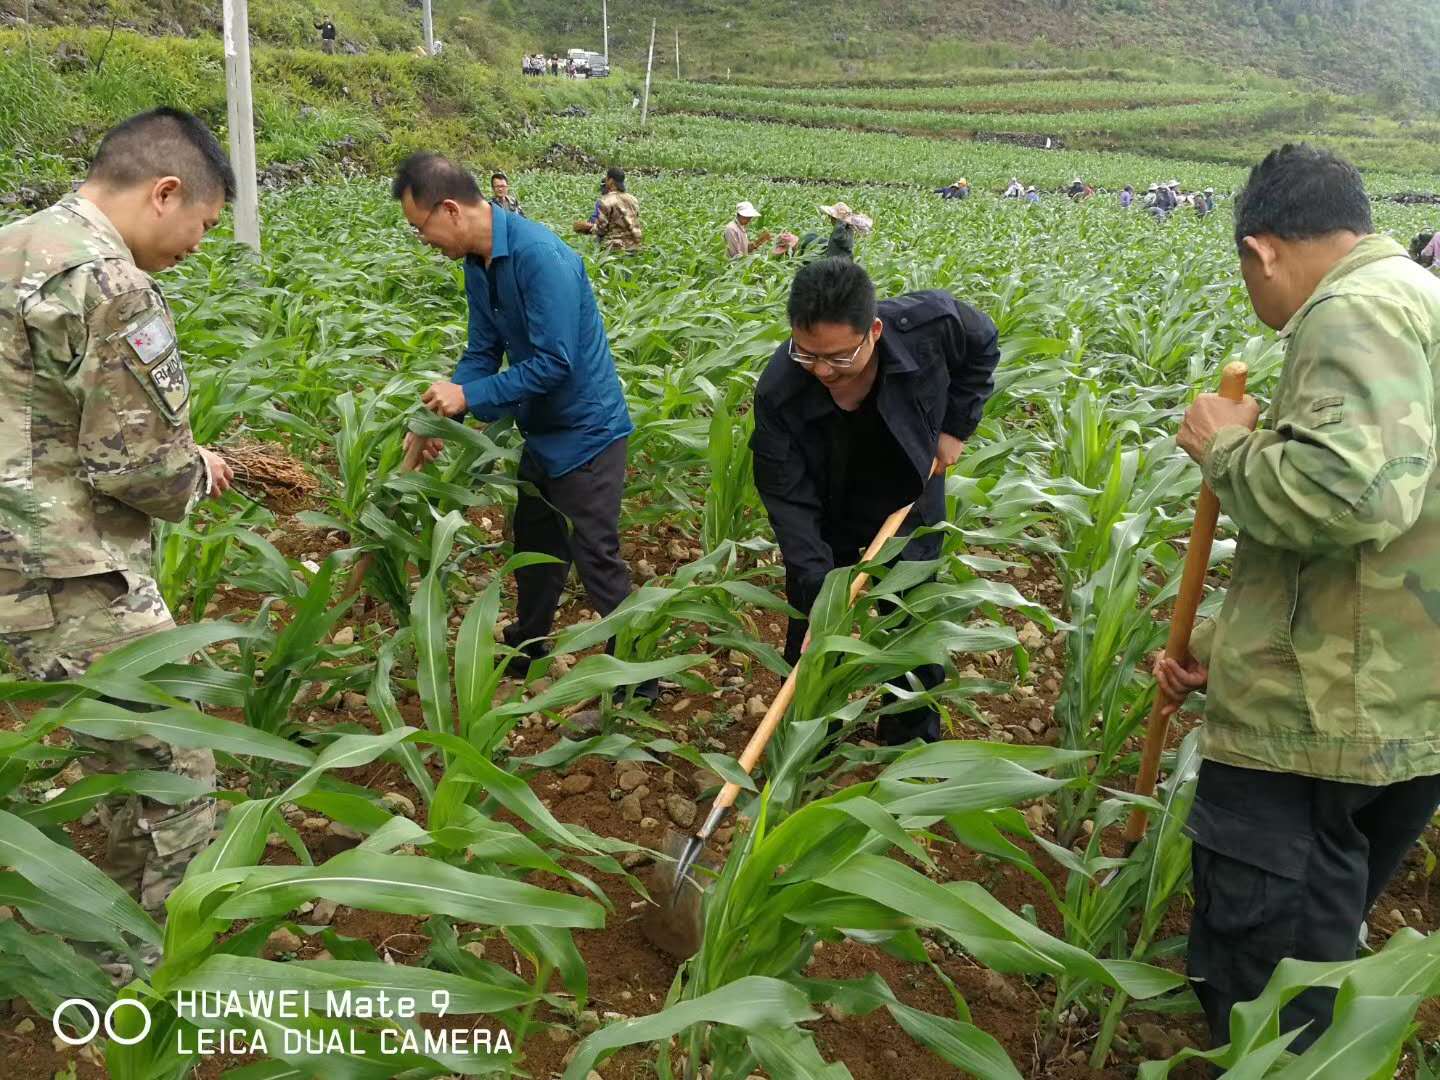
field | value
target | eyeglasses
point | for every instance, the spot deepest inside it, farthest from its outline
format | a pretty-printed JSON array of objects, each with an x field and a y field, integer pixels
[
  {"x": 809, "y": 360},
  {"x": 420, "y": 229}
]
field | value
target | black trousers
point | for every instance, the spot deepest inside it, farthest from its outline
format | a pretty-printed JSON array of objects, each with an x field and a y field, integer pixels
[
  {"x": 1287, "y": 865},
  {"x": 848, "y": 542},
  {"x": 576, "y": 518}
]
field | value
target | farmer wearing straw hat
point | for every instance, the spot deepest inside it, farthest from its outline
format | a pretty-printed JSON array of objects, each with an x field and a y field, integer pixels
[
  {"x": 737, "y": 232},
  {"x": 848, "y": 225},
  {"x": 960, "y": 189}
]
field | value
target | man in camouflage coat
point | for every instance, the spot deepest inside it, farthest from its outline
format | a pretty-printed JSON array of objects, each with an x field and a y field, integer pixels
[
  {"x": 1321, "y": 742},
  {"x": 616, "y": 221},
  {"x": 95, "y": 442}
]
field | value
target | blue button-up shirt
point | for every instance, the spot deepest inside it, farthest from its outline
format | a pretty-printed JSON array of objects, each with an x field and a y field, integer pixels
[{"x": 535, "y": 305}]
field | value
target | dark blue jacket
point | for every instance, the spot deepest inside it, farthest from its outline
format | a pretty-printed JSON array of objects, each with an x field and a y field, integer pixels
[
  {"x": 534, "y": 305},
  {"x": 938, "y": 357}
]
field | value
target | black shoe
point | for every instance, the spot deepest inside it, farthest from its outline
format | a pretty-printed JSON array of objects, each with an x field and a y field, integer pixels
[{"x": 645, "y": 694}]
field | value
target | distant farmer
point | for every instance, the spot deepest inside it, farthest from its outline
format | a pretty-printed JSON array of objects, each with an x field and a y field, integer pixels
[
  {"x": 616, "y": 221},
  {"x": 1321, "y": 764},
  {"x": 1127, "y": 197},
  {"x": 500, "y": 194},
  {"x": 737, "y": 232},
  {"x": 960, "y": 189},
  {"x": 531, "y": 303},
  {"x": 1015, "y": 189},
  {"x": 1425, "y": 248},
  {"x": 847, "y": 225},
  {"x": 849, "y": 415},
  {"x": 1031, "y": 195},
  {"x": 95, "y": 446},
  {"x": 327, "y": 35}
]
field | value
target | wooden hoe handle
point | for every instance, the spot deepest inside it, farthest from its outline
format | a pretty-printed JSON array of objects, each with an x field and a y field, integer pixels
[
  {"x": 1182, "y": 621},
  {"x": 750, "y": 756}
]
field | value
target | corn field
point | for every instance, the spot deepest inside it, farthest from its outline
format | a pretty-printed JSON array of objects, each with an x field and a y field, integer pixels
[{"x": 407, "y": 809}]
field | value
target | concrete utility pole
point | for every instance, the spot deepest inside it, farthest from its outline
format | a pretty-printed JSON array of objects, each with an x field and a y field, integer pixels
[
  {"x": 677, "y": 52},
  {"x": 645, "y": 106},
  {"x": 242, "y": 122},
  {"x": 605, "y": 18},
  {"x": 428, "y": 21}
]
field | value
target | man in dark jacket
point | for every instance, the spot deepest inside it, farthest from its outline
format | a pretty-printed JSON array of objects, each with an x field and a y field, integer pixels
[
  {"x": 531, "y": 302},
  {"x": 849, "y": 416},
  {"x": 327, "y": 34}
]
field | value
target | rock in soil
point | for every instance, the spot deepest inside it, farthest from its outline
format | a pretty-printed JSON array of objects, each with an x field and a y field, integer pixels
[
  {"x": 6, "y": 914},
  {"x": 756, "y": 706},
  {"x": 344, "y": 636},
  {"x": 283, "y": 940},
  {"x": 398, "y": 803},
  {"x": 682, "y": 811},
  {"x": 649, "y": 823},
  {"x": 315, "y": 824},
  {"x": 1154, "y": 1041},
  {"x": 1031, "y": 636},
  {"x": 341, "y": 831},
  {"x": 352, "y": 702},
  {"x": 630, "y": 808},
  {"x": 631, "y": 779},
  {"x": 704, "y": 780},
  {"x": 577, "y": 783},
  {"x": 324, "y": 913},
  {"x": 24, "y": 1027},
  {"x": 635, "y": 859}
]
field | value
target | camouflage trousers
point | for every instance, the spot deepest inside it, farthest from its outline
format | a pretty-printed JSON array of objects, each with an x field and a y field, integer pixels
[{"x": 56, "y": 628}]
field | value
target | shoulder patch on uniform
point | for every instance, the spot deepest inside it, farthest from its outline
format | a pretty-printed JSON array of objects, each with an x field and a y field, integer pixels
[
  {"x": 151, "y": 356},
  {"x": 151, "y": 338}
]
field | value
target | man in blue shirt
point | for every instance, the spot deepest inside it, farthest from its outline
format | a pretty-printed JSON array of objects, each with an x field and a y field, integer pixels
[{"x": 531, "y": 302}]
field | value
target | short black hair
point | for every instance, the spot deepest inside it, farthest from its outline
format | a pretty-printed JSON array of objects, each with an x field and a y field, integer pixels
[
  {"x": 164, "y": 142},
  {"x": 1301, "y": 192},
  {"x": 499, "y": 176},
  {"x": 614, "y": 172},
  {"x": 432, "y": 178},
  {"x": 832, "y": 291}
]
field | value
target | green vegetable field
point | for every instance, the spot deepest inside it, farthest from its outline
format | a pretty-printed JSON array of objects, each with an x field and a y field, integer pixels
[{"x": 409, "y": 809}]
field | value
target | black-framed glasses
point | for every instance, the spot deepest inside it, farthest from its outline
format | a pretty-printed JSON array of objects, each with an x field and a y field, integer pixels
[
  {"x": 809, "y": 360},
  {"x": 420, "y": 229}
]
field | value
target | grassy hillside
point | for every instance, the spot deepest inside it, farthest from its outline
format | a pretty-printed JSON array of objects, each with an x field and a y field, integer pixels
[
  {"x": 362, "y": 25},
  {"x": 315, "y": 115},
  {"x": 1383, "y": 46},
  {"x": 1390, "y": 48}
]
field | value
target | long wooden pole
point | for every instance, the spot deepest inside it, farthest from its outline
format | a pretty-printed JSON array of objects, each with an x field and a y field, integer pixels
[
  {"x": 427, "y": 23},
  {"x": 677, "y": 52},
  {"x": 1182, "y": 621},
  {"x": 605, "y": 19},
  {"x": 241, "y": 115},
  {"x": 650, "y": 63}
]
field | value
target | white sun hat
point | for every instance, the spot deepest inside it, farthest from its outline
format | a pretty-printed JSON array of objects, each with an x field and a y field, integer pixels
[{"x": 746, "y": 209}]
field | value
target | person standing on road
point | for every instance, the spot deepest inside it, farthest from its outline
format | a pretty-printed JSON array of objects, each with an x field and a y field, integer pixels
[
  {"x": 327, "y": 35},
  {"x": 1321, "y": 759},
  {"x": 850, "y": 413},
  {"x": 531, "y": 302},
  {"x": 95, "y": 444},
  {"x": 616, "y": 221}
]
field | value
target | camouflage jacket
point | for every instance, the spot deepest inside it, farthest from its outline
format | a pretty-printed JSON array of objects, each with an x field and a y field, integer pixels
[
  {"x": 94, "y": 402},
  {"x": 619, "y": 223},
  {"x": 1323, "y": 660}
]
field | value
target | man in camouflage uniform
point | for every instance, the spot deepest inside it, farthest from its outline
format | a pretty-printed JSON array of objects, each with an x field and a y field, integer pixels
[
  {"x": 95, "y": 442},
  {"x": 616, "y": 221},
  {"x": 1321, "y": 741}
]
